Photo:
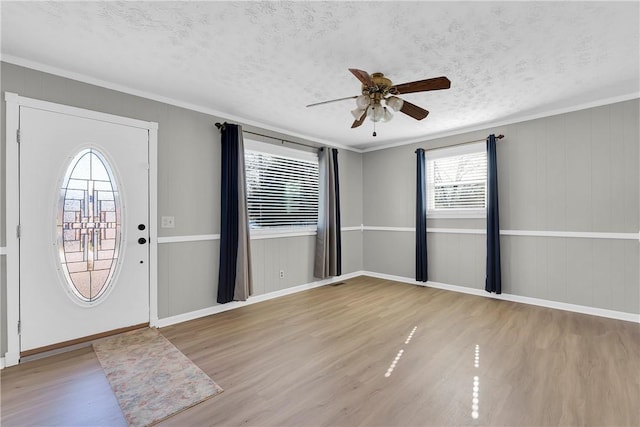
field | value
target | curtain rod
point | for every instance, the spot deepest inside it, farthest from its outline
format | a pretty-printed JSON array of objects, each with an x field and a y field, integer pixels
[
  {"x": 469, "y": 142},
  {"x": 221, "y": 125}
]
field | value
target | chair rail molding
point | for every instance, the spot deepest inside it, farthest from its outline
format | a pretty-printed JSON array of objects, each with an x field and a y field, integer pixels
[{"x": 529, "y": 233}]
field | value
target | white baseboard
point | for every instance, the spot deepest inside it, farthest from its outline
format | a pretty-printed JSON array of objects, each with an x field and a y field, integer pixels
[
  {"x": 601, "y": 312},
  {"x": 167, "y": 321},
  {"x": 594, "y": 311},
  {"x": 1, "y": 362}
]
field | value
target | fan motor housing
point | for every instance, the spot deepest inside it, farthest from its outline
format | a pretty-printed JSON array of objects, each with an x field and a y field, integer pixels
[{"x": 381, "y": 85}]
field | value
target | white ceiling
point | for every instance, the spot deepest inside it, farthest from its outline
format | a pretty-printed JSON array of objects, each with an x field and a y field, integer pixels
[{"x": 261, "y": 62}]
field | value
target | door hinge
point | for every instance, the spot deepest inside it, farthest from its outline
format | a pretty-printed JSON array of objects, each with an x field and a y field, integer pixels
[
  {"x": 18, "y": 231},
  {"x": 19, "y": 327},
  {"x": 18, "y": 136}
]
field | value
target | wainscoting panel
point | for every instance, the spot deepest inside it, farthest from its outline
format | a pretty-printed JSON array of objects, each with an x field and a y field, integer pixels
[
  {"x": 591, "y": 272},
  {"x": 457, "y": 258},
  {"x": 389, "y": 252},
  {"x": 191, "y": 262},
  {"x": 352, "y": 251},
  {"x": 597, "y": 272},
  {"x": 291, "y": 255},
  {"x": 187, "y": 276}
]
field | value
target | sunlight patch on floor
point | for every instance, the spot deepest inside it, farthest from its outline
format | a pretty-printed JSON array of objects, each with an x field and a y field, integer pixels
[
  {"x": 475, "y": 400},
  {"x": 393, "y": 364}
]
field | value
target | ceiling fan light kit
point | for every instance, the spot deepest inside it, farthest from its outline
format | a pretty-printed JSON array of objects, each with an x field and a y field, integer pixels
[
  {"x": 363, "y": 101},
  {"x": 358, "y": 113},
  {"x": 378, "y": 113},
  {"x": 394, "y": 103},
  {"x": 377, "y": 88}
]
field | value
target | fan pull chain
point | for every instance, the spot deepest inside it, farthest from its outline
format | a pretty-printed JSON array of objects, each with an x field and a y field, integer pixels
[{"x": 374, "y": 129}]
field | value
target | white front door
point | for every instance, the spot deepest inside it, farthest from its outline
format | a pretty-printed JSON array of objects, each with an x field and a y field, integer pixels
[{"x": 84, "y": 227}]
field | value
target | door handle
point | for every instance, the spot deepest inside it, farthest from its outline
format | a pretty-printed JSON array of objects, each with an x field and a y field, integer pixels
[{"x": 142, "y": 240}]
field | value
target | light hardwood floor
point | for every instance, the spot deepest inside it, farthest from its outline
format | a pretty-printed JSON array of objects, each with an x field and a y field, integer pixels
[{"x": 320, "y": 358}]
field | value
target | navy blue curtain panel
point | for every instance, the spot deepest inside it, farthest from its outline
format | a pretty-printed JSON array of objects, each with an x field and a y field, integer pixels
[
  {"x": 234, "y": 274},
  {"x": 421, "y": 218},
  {"x": 493, "y": 282},
  {"x": 336, "y": 180},
  {"x": 228, "y": 213}
]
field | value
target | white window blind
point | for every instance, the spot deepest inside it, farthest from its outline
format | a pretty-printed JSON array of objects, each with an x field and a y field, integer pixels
[
  {"x": 457, "y": 179},
  {"x": 282, "y": 191}
]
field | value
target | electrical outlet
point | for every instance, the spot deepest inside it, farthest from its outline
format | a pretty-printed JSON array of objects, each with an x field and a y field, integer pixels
[
  {"x": 282, "y": 274},
  {"x": 168, "y": 222}
]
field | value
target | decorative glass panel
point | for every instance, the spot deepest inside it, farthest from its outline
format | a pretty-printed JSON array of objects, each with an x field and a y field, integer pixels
[{"x": 89, "y": 224}]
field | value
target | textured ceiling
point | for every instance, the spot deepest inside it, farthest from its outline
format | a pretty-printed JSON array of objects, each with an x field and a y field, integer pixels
[{"x": 262, "y": 62}]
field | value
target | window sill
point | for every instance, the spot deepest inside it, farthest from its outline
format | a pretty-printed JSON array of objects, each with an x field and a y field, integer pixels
[
  {"x": 475, "y": 213},
  {"x": 274, "y": 233}
]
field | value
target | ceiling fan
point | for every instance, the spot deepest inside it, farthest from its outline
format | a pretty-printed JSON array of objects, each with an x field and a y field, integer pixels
[{"x": 377, "y": 88}]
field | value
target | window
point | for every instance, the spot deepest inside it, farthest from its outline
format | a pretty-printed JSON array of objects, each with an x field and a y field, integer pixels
[
  {"x": 457, "y": 181},
  {"x": 282, "y": 186},
  {"x": 88, "y": 225}
]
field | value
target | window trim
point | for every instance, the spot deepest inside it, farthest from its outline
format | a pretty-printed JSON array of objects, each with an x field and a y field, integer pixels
[
  {"x": 279, "y": 150},
  {"x": 291, "y": 153},
  {"x": 444, "y": 152}
]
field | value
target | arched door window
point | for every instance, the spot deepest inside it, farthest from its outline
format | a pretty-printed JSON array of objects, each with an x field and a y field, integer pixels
[{"x": 89, "y": 225}]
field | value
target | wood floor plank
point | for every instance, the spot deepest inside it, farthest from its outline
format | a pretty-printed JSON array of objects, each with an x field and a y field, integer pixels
[{"x": 319, "y": 358}]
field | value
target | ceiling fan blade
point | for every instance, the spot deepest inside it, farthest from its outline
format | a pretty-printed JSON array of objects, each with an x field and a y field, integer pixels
[
  {"x": 414, "y": 111},
  {"x": 363, "y": 76},
  {"x": 436, "y": 83},
  {"x": 359, "y": 121},
  {"x": 333, "y": 100}
]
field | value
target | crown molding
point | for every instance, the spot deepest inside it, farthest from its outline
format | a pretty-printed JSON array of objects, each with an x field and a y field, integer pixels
[
  {"x": 514, "y": 120},
  {"x": 60, "y": 72},
  {"x": 16, "y": 60}
]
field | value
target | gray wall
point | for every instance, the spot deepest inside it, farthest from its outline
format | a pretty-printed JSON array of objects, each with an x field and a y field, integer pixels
[
  {"x": 572, "y": 172},
  {"x": 575, "y": 172},
  {"x": 191, "y": 261},
  {"x": 188, "y": 189}
]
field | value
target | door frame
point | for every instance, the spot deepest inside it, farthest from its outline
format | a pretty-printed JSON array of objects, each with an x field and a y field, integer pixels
[{"x": 13, "y": 102}]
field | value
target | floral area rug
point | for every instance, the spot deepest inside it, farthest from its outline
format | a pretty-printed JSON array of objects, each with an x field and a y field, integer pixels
[{"x": 150, "y": 377}]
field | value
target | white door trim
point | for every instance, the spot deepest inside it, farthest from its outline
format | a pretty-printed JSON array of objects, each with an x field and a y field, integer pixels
[{"x": 12, "y": 218}]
